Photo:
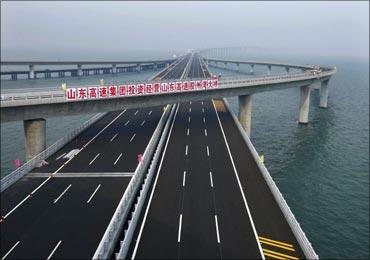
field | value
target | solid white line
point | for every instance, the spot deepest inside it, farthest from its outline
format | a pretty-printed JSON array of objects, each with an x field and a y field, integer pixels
[
  {"x": 11, "y": 249},
  {"x": 113, "y": 138},
  {"x": 96, "y": 156},
  {"x": 136, "y": 112},
  {"x": 210, "y": 176},
  {"x": 56, "y": 200},
  {"x": 186, "y": 150},
  {"x": 183, "y": 179},
  {"x": 205, "y": 132},
  {"x": 132, "y": 138},
  {"x": 207, "y": 150},
  {"x": 150, "y": 112},
  {"x": 187, "y": 133},
  {"x": 189, "y": 119},
  {"x": 92, "y": 195},
  {"x": 154, "y": 187},
  {"x": 204, "y": 120},
  {"x": 128, "y": 121},
  {"x": 117, "y": 159},
  {"x": 60, "y": 156},
  {"x": 240, "y": 186},
  {"x": 142, "y": 123},
  {"x": 179, "y": 234},
  {"x": 218, "y": 235},
  {"x": 55, "y": 248}
]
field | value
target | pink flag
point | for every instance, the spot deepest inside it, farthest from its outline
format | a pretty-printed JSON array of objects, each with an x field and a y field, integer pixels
[
  {"x": 17, "y": 163},
  {"x": 139, "y": 157}
]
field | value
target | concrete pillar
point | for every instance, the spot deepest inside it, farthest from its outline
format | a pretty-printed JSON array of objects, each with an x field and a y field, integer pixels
[
  {"x": 237, "y": 67},
  {"x": 304, "y": 105},
  {"x": 114, "y": 68},
  {"x": 138, "y": 68},
  {"x": 245, "y": 112},
  {"x": 324, "y": 92},
  {"x": 225, "y": 65},
  {"x": 252, "y": 68},
  {"x": 34, "y": 131},
  {"x": 287, "y": 69},
  {"x": 269, "y": 70},
  {"x": 79, "y": 70},
  {"x": 31, "y": 74},
  {"x": 155, "y": 66}
]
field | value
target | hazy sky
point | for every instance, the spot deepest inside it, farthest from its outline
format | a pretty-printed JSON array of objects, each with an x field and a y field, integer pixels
[{"x": 317, "y": 28}]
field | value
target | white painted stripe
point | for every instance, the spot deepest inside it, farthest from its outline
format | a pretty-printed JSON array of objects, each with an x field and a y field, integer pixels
[
  {"x": 207, "y": 150},
  {"x": 11, "y": 249},
  {"x": 154, "y": 187},
  {"x": 190, "y": 110},
  {"x": 132, "y": 138},
  {"x": 218, "y": 234},
  {"x": 205, "y": 132},
  {"x": 55, "y": 248},
  {"x": 202, "y": 103},
  {"x": 190, "y": 102},
  {"x": 128, "y": 121},
  {"x": 60, "y": 156},
  {"x": 204, "y": 120},
  {"x": 137, "y": 111},
  {"x": 183, "y": 179},
  {"x": 142, "y": 123},
  {"x": 56, "y": 200},
  {"x": 180, "y": 224},
  {"x": 117, "y": 159},
  {"x": 202, "y": 110},
  {"x": 189, "y": 119},
  {"x": 240, "y": 186},
  {"x": 186, "y": 150},
  {"x": 150, "y": 112},
  {"x": 113, "y": 138},
  {"x": 187, "y": 133},
  {"x": 96, "y": 156},
  {"x": 92, "y": 195},
  {"x": 210, "y": 176}
]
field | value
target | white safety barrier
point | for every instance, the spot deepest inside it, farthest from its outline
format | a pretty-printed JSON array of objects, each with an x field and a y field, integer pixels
[
  {"x": 29, "y": 165},
  {"x": 303, "y": 241},
  {"x": 110, "y": 238}
]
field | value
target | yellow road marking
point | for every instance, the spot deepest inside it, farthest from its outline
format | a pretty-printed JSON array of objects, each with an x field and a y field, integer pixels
[
  {"x": 275, "y": 241},
  {"x": 274, "y": 256},
  {"x": 276, "y": 245},
  {"x": 279, "y": 254}
]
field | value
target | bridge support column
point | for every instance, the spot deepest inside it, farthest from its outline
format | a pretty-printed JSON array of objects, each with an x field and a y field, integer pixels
[
  {"x": 324, "y": 93},
  {"x": 252, "y": 69},
  {"x": 79, "y": 70},
  {"x": 245, "y": 112},
  {"x": 114, "y": 68},
  {"x": 138, "y": 68},
  {"x": 287, "y": 69},
  {"x": 269, "y": 70},
  {"x": 31, "y": 74},
  {"x": 14, "y": 76},
  {"x": 155, "y": 66},
  {"x": 225, "y": 65},
  {"x": 237, "y": 67},
  {"x": 304, "y": 105},
  {"x": 34, "y": 131}
]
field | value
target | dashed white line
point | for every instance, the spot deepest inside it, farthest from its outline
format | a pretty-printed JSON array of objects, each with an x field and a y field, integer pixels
[
  {"x": 11, "y": 249},
  {"x": 207, "y": 151},
  {"x": 142, "y": 123},
  {"x": 56, "y": 200},
  {"x": 128, "y": 121},
  {"x": 137, "y": 111},
  {"x": 218, "y": 234},
  {"x": 202, "y": 110},
  {"x": 183, "y": 179},
  {"x": 205, "y": 132},
  {"x": 60, "y": 156},
  {"x": 210, "y": 177},
  {"x": 117, "y": 159},
  {"x": 92, "y": 195},
  {"x": 190, "y": 110},
  {"x": 150, "y": 112},
  {"x": 96, "y": 156},
  {"x": 202, "y": 103},
  {"x": 113, "y": 138},
  {"x": 132, "y": 138},
  {"x": 186, "y": 150},
  {"x": 187, "y": 132},
  {"x": 190, "y": 102},
  {"x": 55, "y": 248},
  {"x": 204, "y": 120},
  {"x": 189, "y": 119},
  {"x": 179, "y": 234}
]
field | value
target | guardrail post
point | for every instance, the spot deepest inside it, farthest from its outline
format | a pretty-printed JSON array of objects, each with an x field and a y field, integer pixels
[
  {"x": 34, "y": 131},
  {"x": 304, "y": 105},
  {"x": 324, "y": 92}
]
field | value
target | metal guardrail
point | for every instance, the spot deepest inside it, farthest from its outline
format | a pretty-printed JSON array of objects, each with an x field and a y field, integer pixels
[
  {"x": 110, "y": 238},
  {"x": 29, "y": 165},
  {"x": 288, "y": 214}
]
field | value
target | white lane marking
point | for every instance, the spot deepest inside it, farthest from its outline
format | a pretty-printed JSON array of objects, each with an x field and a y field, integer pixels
[
  {"x": 142, "y": 123},
  {"x": 187, "y": 132},
  {"x": 55, "y": 248},
  {"x": 150, "y": 112},
  {"x": 202, "y": 103},
  {"x": 56, "y": 200},
  {"x": 128, "y": 121},
  {"x": 132, "y": 138},
  {"x": 96, "y": 156},
  {"x": 204, "y": 120},
  {"x": 113, "y": 137},
  {"x": 11, "y": 249},
  {"x": 210, "y": 177},
  {"x": 179, "y": 234},
  {"x": 117, "y": 159},
  {"x": 92, "y": 195},
  {"x": 190, "y": 102},
  {"x": 60, "y": 156},
  {"x": 189, "y": 119},
  {"x": 183, "y": 179},
  {"x": 240, "y": 186},
  {"x": 137, "y": 111},
  {"x": 202, "y": 110},
  {"x": 154, "y": 187},
  {"x": 218, "y": 234},
  {"x": 205, "y": 132},
  {"x": 186, "y": 150},
  {"x": 190, "y": 110},
  {"x": 207, "y": 150}
]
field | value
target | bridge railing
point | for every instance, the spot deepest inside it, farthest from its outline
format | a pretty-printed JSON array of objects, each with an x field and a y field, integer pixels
[{"x": 29, "y": 165}]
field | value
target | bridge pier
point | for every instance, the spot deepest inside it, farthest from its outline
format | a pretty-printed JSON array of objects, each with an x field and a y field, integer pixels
[
  {"x": 14, "y": 76},
  {"x": 324, "y": 93},
  {"x": 79, "y": 70},
  {"x": 225, "y": 65},
  {"x": 34, "y": 131},
  {"x": 269, "y": 70},
  {"x": 245, "y": 113},
  {"x": 237, "y": 67},
  {"x": 252, "y": 69},
  {"x": 31, "y": 74},
  {"x": 304, "y": 105},
  {"x": 138, "y": 68},
  {"x": 114, "y": 68},
  {"x": 155, "y": 66},
  {"x": 287, "y": 69}
]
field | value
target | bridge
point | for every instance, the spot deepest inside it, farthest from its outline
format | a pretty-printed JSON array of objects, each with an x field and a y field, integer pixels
[{"x": 189, "y": 196}]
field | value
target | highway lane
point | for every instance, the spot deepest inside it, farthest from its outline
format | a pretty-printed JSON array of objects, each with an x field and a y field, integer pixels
[{"x": 196, "y": 205}]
